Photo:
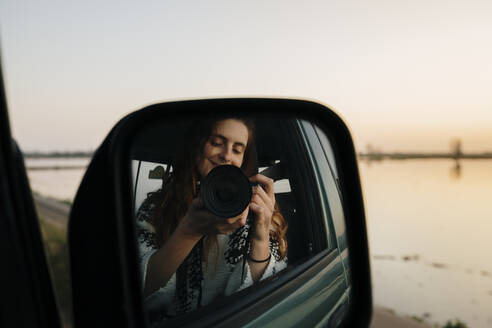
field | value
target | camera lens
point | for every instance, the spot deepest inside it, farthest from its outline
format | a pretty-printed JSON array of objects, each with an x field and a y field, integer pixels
[{"x": 226, "y": 191}]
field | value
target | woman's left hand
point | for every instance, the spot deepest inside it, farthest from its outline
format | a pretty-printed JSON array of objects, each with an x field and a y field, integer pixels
[{"x": 262, "y": 204}]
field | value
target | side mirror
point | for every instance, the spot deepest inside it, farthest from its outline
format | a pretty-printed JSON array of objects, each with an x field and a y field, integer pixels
[{"x": 323, "y": 274}]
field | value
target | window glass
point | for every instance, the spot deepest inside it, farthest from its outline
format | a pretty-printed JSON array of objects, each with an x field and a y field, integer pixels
[
  {"x": 147, "y": 177},
  {"x": 328, "y": 150},
  {"x": 329, "y": 185},
  {"x": 323, "y": 153}
]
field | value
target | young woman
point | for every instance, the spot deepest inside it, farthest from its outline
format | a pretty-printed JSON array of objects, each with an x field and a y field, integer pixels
[{"x": 188, "y": 255}]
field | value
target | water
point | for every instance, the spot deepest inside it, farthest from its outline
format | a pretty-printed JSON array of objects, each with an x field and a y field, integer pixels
[
  {"x": 429, "y": 226},
  {"x": 60, "y": 184}
]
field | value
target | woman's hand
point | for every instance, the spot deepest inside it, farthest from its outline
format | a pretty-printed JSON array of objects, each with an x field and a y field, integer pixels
[
  {"x": 198, "y": 221},
  {"x": 263, "y": 205}
]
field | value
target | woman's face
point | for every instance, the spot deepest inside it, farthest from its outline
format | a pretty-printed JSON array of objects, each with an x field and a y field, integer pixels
[{"x": 226, "y": 145}]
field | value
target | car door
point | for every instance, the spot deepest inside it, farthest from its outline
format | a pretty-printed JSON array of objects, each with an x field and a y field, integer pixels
[{"x": 321, "y": 151}]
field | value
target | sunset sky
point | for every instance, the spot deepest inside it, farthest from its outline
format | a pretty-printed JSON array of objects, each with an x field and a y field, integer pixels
[{"x": 404, "y": 75}]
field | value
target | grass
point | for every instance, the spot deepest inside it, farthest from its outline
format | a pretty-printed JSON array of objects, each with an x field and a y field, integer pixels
[
  {"x": 56, "y": 247},
  {"x": 455, "y": 324}
]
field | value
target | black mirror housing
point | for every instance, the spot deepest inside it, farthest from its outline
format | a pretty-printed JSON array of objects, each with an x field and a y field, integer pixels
[{"x": 102, "y": 236}]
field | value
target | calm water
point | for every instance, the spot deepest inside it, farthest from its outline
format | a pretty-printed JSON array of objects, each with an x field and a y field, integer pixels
[
  {"x": 60, "y": 184},
  {"x": 430, "y": 228}
]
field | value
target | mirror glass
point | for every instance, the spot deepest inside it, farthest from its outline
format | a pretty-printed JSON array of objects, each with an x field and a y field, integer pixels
[{"x": 224, "y": 203}]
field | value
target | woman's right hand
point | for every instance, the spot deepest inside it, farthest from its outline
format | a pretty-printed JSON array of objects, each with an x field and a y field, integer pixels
[{"x": 198, "y": 221}]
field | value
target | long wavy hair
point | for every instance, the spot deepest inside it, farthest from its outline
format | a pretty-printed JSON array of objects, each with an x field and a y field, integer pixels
[{"x": 179, "y": 189}]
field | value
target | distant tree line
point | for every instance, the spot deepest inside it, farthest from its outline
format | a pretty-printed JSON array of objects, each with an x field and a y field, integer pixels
[
  {"x": 455, "y": 152},
  {"x": 58, "y": 154}
]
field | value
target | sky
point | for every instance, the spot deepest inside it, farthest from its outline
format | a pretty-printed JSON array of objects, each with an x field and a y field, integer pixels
[{"x": 404, "y": 75}]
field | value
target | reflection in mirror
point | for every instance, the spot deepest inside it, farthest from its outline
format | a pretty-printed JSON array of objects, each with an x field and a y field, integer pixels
[{"x": 207, "y": 229}]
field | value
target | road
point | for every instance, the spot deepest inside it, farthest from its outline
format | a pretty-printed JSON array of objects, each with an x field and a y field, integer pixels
[{"x": 52, "y": 210}]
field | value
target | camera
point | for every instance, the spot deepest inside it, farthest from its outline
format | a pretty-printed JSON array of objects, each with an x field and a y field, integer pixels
[{"x": 226, "y": 191}]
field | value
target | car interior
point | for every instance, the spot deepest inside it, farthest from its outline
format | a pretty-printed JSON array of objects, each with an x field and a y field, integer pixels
[{"x": 279, "y": 157}]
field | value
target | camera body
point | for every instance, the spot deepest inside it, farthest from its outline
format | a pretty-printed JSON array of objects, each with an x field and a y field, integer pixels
[{"x": 226, "y": 191}]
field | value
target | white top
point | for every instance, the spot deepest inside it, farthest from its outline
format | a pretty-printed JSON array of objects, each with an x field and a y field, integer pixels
[{"x": 219, "y": 279}]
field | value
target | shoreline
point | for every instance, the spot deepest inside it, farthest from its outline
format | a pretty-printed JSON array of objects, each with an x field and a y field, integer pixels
[{"x": 383, "y": 317}]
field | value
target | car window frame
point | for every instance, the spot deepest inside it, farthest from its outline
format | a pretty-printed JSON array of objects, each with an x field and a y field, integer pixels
[{"x": 330, "y": 190}]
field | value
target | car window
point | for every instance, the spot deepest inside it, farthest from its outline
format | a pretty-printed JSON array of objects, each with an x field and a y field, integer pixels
[
  {"x": 328, "y": 150},
  {"x": 324, "y": 170},
  {"x": 323, "y": 153},
  {"x": 147, "y": 177}
]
